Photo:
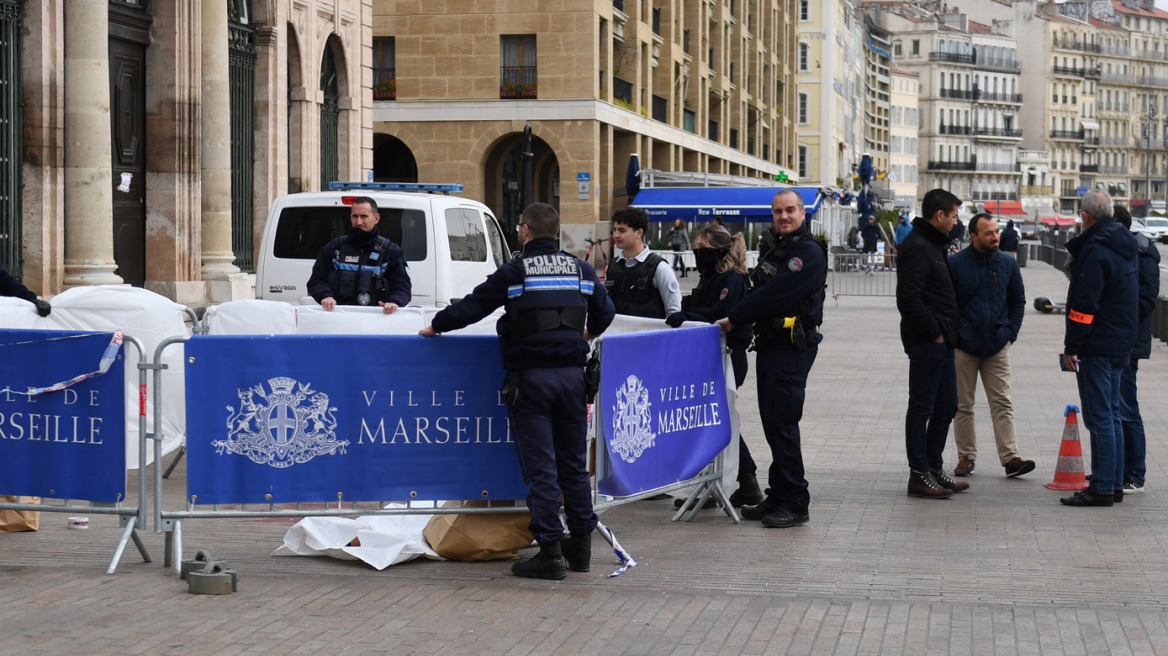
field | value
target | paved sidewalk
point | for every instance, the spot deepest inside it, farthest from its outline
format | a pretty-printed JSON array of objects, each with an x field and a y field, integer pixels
[{"x": 1003, "y": 568}]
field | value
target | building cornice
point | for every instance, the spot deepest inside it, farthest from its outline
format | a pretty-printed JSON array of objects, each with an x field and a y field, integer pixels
[{"x": 583, "y": 109}]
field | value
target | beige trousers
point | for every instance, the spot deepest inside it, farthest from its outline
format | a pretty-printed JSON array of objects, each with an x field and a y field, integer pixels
[{"x": 995, "y": 378}]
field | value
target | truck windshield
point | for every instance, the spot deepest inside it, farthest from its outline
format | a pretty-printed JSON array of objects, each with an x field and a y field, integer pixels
[{"x": 303, "y": 231}]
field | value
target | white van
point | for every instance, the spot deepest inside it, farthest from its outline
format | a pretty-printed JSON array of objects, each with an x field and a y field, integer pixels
[{"x": 451, "y": 244}]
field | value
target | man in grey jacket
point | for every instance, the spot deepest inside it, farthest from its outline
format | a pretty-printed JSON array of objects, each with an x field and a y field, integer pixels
[{"x": 992, "y": 302}]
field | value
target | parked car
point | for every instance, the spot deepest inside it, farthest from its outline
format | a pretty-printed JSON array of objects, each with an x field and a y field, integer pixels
[
  {"x": 1154, "y": 227},
  {"x": 451, "y": 244}
]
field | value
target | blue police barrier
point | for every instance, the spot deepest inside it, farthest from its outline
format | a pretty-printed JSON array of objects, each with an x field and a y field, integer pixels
[
  {"x": 318, "y": 418},
  {"x": 58, "y": 439},
  {"x": 63, "y": 425},
  {"x": 663, "y": 407}
]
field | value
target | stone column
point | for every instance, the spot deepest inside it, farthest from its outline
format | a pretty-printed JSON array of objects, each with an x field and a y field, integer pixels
[
  {"x": 215, "y": 107},
  {"x": 89, "y": 232}
]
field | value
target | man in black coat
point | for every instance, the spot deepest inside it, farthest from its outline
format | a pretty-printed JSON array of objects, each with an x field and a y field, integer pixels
[
  {"x": 927, "y": 301},
  {"x": 1009, "y": 239},
  {"x": 1134, "y": 443},
  {"x": 10, "y": 286},
  {"x": 361, "y": 268}
]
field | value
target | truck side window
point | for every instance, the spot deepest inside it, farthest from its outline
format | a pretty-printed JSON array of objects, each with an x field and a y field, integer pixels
[
  {"x": 465, "y": 232},
  {"x": 498, "y": 244},
  {"x": 303, "y": 231}
]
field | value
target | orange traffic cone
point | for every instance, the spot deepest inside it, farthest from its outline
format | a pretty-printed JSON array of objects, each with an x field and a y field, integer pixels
[{"x": 1068, "y": 474}]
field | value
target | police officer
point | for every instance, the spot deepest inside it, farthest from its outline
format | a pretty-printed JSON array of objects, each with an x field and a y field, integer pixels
[
  {"x": 786, "y": 308},
  {"x": 641, "y": 283},
  {"x": 361, "y": 268},
  {"x": 10, "y": 286},
  {"x": 554, "y": 304}
]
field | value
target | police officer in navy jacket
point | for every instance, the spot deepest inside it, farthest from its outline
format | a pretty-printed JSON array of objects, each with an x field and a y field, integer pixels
[
  {"x": 10, "y": 286},
  {"x": 786, "y": 308},
  {"x": 361, "y": 268},
  {"x": 554, "y": 303}
]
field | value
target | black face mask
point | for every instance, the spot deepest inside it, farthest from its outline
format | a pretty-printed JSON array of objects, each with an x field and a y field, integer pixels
[
  {"x": 707, "y": 259},
  {"x": 361, "y": 237}
]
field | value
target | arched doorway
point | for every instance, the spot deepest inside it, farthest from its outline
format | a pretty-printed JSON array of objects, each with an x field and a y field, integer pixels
[
  {"x": 392, "y": 160},
  {"x": 504, "y": 178}
]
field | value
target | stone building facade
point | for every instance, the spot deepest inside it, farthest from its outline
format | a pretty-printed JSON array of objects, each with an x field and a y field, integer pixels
[
  {"x": 156, "y": 134},
  {"x": 687, "y": 85}
]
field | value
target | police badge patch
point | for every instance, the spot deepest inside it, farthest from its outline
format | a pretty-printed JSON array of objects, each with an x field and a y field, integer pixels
[
  {"x": 795, "y": 264},
  {"x": 724, "y": 294}
]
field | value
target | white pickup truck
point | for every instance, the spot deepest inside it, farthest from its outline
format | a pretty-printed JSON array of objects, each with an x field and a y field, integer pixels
[{"x": 451, "y": 244}]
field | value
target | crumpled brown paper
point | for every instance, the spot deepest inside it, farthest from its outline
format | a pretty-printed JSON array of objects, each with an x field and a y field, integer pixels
[
  {"x": 478, "y": 537},
  {"x": 14, "y": 521}
]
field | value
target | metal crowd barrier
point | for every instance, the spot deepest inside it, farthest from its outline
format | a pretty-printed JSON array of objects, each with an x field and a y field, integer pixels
[
  {"x": 170, "y": 522},
  {"x": 862, "y": 274},
  {"x": 130, "y": 518}
]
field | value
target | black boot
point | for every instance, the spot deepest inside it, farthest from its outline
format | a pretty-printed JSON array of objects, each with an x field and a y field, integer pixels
[
  {"x": 747, "y": 493},
  {"x": 578, "y": 551},
  {"x": 547, "y": 564}
]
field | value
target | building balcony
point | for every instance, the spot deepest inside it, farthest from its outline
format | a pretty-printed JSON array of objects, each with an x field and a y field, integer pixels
[
  {"x": 950, "y": 57},
  {"x": 1119, "y": 78},
  {"x": 1070, "y": 71},
  {"x": 1112, "y": 106},
  {"x": 1036, "y": 190},
  {"x": 1152, "y": 81},
  {"x": 1118, "y": 51},
  {"x": 1012, "y": 98},
  {"x": 1088, "y": 168},
  {"x": 999, "y": 168},
  {"x": 960, "y": 130},
  {"x": 1090, "y": 141},
  {"x": 1092, "y": 73},
  {"x": 1081, "y": 46},
  {"x": 1115, "y": 141},
  {"x": 384, "y": 84},
  {"x": 1067, "y": 135},
  {"x": 997, "y": 133},
  {"x": 1113, "y": 170},
  {"x": 957, "y": 94},
  {"x": 622, "y": 92},
  {"x": 1154, "y": 55},
  {"x": 993, "y": 195},
  {"x": 952, "y": 166},
  {"x": 518, "y": 82},
  {"x": 1001, "y": 65}
]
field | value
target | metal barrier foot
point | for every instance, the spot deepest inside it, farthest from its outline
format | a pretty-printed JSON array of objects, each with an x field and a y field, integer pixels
[
  {"x": 182, "y": 451},
  {"x": 727, "y": 507},
  {"x": 137, "y": 537},
  {"x": 130, "y": 523},
  {"x": 178, "y": 548},
  {"x": 688, "y": 502}
]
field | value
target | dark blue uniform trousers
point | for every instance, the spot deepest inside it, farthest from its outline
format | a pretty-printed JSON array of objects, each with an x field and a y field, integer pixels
[
  {"x": 549, "y": 425},
  {"x": 782, "y": 387}
]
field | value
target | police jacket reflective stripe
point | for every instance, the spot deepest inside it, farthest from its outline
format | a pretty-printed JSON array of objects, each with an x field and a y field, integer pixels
[
  {"x": 632, "y": 289},
  {"x": 358, "y": 274},
  {"x": 550, "y": 303}
]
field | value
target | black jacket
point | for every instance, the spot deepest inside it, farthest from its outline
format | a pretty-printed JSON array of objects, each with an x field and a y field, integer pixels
[
  {"x": 991, "y": 299},
  {"x": 1103, "y": 301},
  {"x": 925, "y": 295},
  {"x": 799, "y": 274},
  {"x": 397, "y": 287},
  {"x": 10, "y": 286},
  {"x": 713, "y": 299},
  {"x": 492, "y": 294},
  {"x": 1149, "y": 266},
  {"x": 1009, "y": 240}
]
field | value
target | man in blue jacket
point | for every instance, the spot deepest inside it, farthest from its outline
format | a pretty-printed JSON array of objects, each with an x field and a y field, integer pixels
[
  {"x": 992, "y": 301},
  {"x": 1134, "y": 443},
  {"x": 10, "y": 286},
  {"x": 1101, "y": 327}
]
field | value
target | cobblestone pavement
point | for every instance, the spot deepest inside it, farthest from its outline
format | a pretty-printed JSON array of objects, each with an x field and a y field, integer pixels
[{"x": 1003, "y": 568}]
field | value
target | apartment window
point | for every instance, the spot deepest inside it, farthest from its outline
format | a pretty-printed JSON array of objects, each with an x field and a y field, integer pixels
[
  {"x": 518, "y": 74},
  {"x": 685, "y": 41},
  {"x": 803, "y": 109},
  {"x": 733, "y": 137},
  {"x": 804, "y": 57},
  {"x": 802, "y": 161},
  {"x": 896, "y": 50},
  {"x": 804, "y": 10},
  {"x": 384, "y": 69},
  {"x": 916, "y": 48}
]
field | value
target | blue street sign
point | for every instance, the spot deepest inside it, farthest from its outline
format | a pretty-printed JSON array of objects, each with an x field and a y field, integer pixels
[{"x": 583, "y": 177}]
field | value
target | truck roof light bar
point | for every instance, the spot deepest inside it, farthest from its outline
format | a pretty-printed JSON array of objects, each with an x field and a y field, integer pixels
[{"x": 443, "y": 188}]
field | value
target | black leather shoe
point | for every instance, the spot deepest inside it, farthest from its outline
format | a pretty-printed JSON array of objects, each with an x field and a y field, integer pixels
[
  {"x": 578, "y": 552},
  {"x": 783, "y": 518},
  {"x": 547, "y": 564},
  {"x": 747, "y": 493},
  {"x": 756, "y": 513},
  {"x": 1117, "y": 496},
  {"x": 1089, "y": 497}
]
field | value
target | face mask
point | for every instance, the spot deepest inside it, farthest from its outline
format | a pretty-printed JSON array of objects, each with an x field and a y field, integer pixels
[
  {"x": 707, "y": 259},
  {"x": 360, "y": 236}
]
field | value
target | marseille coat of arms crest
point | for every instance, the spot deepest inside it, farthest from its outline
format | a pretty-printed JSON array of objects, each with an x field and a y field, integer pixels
[
  {"x": 632, "y": 421},
  {"x": 291, "y": 424}
]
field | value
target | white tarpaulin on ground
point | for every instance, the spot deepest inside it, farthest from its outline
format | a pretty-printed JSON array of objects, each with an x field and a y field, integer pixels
[
  {"x": 380, "y": 541},
  {"x": 137, "y": 313}
]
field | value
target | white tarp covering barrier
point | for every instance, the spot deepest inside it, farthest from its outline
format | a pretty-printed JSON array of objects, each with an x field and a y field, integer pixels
[
  {"x": 381, "y": 541},
  {"x": 138, "y": 313}
]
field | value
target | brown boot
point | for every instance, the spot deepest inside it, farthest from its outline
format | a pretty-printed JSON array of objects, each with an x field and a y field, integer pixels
[
  {"x": 923, "y": 485},
  {"x": 964, "y": 467},
  {"x": 948, "y": 483}
]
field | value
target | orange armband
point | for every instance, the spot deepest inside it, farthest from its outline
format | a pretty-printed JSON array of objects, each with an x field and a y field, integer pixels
[{"x": 1079, "y": 317}]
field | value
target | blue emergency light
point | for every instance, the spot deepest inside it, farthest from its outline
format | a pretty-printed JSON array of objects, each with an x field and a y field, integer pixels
[{"x": 444, "y": 188}]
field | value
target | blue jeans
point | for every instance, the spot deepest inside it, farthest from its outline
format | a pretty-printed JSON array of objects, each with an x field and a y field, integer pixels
[
  {"x": 1100, "y": 381},
  {"x": 932, "y": 404},
  {"x": 1134, "y": 446}
]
